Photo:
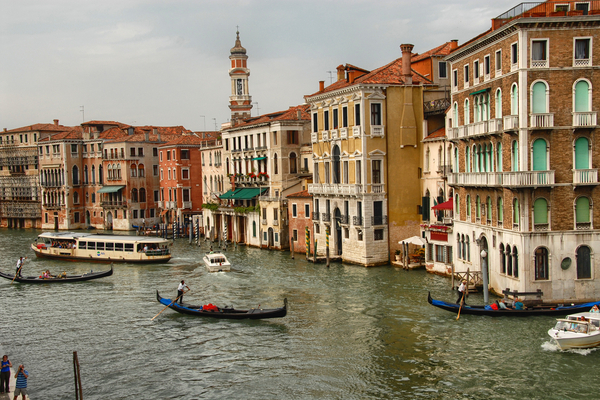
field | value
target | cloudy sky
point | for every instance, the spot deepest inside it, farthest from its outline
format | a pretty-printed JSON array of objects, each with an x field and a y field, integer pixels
[{"x": 166, "y": 63}]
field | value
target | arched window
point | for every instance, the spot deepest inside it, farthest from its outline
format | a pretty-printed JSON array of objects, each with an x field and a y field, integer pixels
[
  {"x": 75, "y": 198},
  {"x": 584, "y": 269},
  {"x": 75, "y": 175},
  {"x": 458, "y": 246},
  {"x": 515, "y": 155},
  {"x": 514, "y": 100},
  {"x": 86, "y": 175},
  {"x": 468, "y": 208},
  {"x": 466, "y": 116},
  {"x": 142, "y": 195},
  {"x": 540, "y": 212},
  {"x": 253, "y": 228},
  {"x": 468, "y": 248},
  {"x": 456, "y": 206},
  {"x": 502, "y": 259},
  {"x": 489, "y": 210},
  {"x": 509, "y": 268},
  {"x": 294, "y": 166},
  {"x": 110, "y": 172},
  {"x": 515, "y": 258},
  {"x": 582, "y": 211},
  {"x": 141, "y": 172},
  {"x": 515, "y": 212},
  {"x": 500, "y": 212},
  {"x": 456, "y": 168},
  {"x": 134, "y": 195},
  {"x": 464, "y": 247},
  {"x": 100, "y": 176},
  {"x": 540, "y": 155},
  {"x": 133, "y": 170},
  {"x": 467, "y": 160},
  {"x": 582, "y": 96},
  {"x": 93, "y": 174},
  {"x": 499, "y": 157},
  {"x": 539, "y": 103},
  {"x": 275, "y": 167},
  {"x": 499, "y": 103},
  {"x": 227, "y": 166},
  {"x": 335, "y": 163},
  {"x": 455, "y": 117},
  {"x": 478, "y": 208},
  {"x": 118, "y": 171},
  {"x": 541, "y": 264},
  {"x": 582, "y": 153},
  {"x": 93, "y": 197}
]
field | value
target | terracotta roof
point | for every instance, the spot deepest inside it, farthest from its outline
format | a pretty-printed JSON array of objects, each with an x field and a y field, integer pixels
[
  {"x": 442, "y": 50},
  {"x": 440, "y": 133},
  {"x": 73, "y": 133},
  {"x": 303, "y": 193},
  {"x": 116, "y": 123},
  {"x": 291, "y": 114},
  {"x": 39, "y": 127},
  {"x": 187, "y": 140}
]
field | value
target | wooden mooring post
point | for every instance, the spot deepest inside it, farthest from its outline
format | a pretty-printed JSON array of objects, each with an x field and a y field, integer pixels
[{"x": 77, "y": 374}]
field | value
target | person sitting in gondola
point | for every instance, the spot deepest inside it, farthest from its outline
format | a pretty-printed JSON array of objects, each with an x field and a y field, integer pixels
[
  {"x": 519, "y": 304},
  {"x": 502, "y": 305},
  {"x": 62, "y": 275},
  {"x": 46, "y": 274}
]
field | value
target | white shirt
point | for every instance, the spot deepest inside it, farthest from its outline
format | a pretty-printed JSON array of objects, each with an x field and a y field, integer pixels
[
  {"x": 462, "y": 287},
  {"x": 181, "y": 287},
  {"x": 19, "y": 262}
]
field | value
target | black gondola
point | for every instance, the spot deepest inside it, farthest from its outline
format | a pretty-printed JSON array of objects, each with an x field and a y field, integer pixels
[
  {"x": 68, "y": 278},
  {"x": 546, "y": 309},
  {"x": 226, "y": 312}
]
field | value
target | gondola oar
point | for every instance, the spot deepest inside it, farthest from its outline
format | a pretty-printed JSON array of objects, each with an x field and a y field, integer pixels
[
  {"x": 174, "y": 301},
  {"x": 462, "y": 299},
  {"x": 19, "y": 270}
]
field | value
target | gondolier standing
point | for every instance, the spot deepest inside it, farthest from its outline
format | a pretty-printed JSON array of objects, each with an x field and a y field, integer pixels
[
  {"x": 461, "y": 291},
  {"x": 180, "y": 291},
  {"x": 19, "y": 266}
]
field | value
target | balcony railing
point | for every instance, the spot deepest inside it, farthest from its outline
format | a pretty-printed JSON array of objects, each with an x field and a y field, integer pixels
[
  {"x": 333, "y": 189},
  {"x": 315, "y": 215},
  {"x": 314, "y": 137},
  {"x": 334, "y": 134},
  {"x": 343, "y": 133},
  {"x": 436, "y": 106},
  {"x": 275, "y": 222},
  {"x": 187, "y": 205},
  {"x": 344, "y": 219},
  {"x": 584, "y": 119},
  {"x": 583, "y": 226},
  {"x": 377, "y": 130},
  {"x": 582, "y": 62},
  {"x": 358, "y": 221},
  {"x": 263, "y": 221},
  {"x": 356, "y": 131},
  {"x": 113, "y": 204},
  {"x": 505, "y": 179},
  {"x": 541, "y": 227},
  {"x": 326, "y": 217},
  {"x": 585, "y": 176},
  {"x": 379, "y": 220},
  {"x": 511, "y": 122},
  {"x": 161, "y": 204},
  {"x": 541, "y": 120},
  {"x": 475, "y": 129}
]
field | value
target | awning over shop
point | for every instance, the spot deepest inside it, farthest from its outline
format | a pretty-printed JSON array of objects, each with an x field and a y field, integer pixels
[
  {"x": 479, "y": 91},
  {"x": 111, "y": 189},
  {"x": 447, "y": 205},
  {"x": 248, "y": 193},
  {"x": 229, "y": 194},
  {"x": 259, "y": 158}
]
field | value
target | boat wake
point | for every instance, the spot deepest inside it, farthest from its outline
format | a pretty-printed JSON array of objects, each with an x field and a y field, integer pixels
[{"x": 551, "y": 346}]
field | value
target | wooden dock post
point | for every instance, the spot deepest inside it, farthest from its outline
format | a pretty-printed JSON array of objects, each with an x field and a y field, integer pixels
[{"x": 77, "y": 373}]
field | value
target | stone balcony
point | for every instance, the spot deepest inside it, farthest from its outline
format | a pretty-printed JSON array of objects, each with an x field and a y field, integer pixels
[
  {"x": 585, "y": 176},
  {"x": 481, "y": 128},
  {"x": 512, "y": 179},
  {"x": 541, "y": 121},
  {"x": 584, "y": 119}
]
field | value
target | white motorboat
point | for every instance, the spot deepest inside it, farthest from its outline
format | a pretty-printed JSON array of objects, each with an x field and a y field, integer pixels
[
  {"x": 216, "y": 262},
  {"x": 577, "y": 331}
]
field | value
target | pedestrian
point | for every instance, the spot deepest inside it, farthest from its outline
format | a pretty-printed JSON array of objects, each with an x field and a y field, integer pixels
[
  {"x": 180, "y": 291},
  {"x": 461, "y": 291},
  {"x": 5, "y": 374},
  {"x": 21, "y": 386},
  {"x": 19, "y": 266}
]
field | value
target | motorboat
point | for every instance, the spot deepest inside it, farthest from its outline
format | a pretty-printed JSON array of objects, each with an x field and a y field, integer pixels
[
  {"x": 216, "y": 261},
  {"x": 577, "y": 331}
]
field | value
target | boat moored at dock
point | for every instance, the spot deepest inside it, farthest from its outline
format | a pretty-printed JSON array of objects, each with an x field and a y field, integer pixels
[{"x": 83, "y": 246}]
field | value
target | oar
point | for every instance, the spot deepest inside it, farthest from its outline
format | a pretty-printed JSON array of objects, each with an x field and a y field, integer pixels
[
  {"x": 462, "y": 299},
  {"x": 174, "y": 301},
  {"x": 17, "y": 273}
]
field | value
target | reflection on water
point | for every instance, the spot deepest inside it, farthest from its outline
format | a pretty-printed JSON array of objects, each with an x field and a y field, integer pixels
[{"x": 350, "y": 333}]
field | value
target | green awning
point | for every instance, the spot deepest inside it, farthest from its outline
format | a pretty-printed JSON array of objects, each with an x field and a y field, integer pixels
[
  {"x": 479, "y": 91},
  {"x": 111, "y": 189},
  {"x": 259, "y": 158},
  {"x": 248, "y": 193},
  {"x": 229, "y": 194}
]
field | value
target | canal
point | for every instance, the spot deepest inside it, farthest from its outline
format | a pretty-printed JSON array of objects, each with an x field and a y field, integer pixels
[{"x": 350, "y": 333}]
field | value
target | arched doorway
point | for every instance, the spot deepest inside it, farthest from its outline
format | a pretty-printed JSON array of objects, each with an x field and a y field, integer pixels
[
  {"x": 338, "y": 231},
  {"x": 109, "y": 220},
  {"x": 270, "y": 241},
  {"x": 88, "y": 220}
]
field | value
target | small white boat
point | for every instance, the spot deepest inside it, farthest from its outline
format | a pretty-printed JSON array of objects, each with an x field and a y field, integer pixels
[
  {"x": 577, "y": 331},
  {"x": 216, "y": 262}
]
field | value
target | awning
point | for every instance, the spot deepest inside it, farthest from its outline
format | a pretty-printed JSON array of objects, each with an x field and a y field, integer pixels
[
  {"x": 447, "y": 205},
  {"x": 413, "y": 240},
  {"x": 259, "y": 158},
  {"x": 479, "y": 91},
  {"x": 111, "y": 189},
  {"x": 229, "y": 194},
  {"x": 248, "y": 193}
]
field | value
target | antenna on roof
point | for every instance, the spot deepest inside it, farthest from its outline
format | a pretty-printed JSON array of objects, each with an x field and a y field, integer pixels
[
  {"x": 82, "y": 113},
  {"x": 214, "y": 119},
  {"x": 330, "y": 77}
]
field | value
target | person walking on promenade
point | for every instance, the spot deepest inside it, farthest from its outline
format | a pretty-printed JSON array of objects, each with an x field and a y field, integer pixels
[
  {"x": 21, "y": 386},
  {"x": 5, "y": 374},
  {"x": 180, "y": 291}
]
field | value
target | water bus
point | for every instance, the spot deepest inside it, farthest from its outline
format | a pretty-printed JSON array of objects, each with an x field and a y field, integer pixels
[{"x": 83, "y": 246}]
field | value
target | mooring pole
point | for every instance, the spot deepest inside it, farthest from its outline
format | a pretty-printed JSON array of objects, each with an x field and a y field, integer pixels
[{"x": 327, "y": 245}]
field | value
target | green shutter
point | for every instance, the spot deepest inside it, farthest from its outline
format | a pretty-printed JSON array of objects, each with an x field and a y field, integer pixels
[
  {"x": 582, "y": 103},
  {"x": 582, "y": 154},
  {"x": 539, "y": 155},
  {"x": 540, "y": 211},
  {"x": 582, "y": 209},
  {"x": 539, "y": 98},
  {"x": 514, "y": 106}
]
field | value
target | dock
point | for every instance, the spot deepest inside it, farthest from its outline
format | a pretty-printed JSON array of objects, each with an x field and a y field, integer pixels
[{"x": 11, "y": 387}]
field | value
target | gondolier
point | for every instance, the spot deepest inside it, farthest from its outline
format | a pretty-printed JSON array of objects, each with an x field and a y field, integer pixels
[
  {"x": 180, "y": 291},
  {"x": 461, "y": 291},
  {"x": 19, "y": 266}
]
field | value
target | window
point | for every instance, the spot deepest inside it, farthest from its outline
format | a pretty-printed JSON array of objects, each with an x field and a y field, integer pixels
[
  {"x": 155, "y": 170},
  {"x": 315, "y": 122},
  {"x": 584, "y": 270},
  {"x": 502, "y": 259},
  {"x": 466, "y": 75},
  {"x": 540, "y": 212},
  {"x": 582, "y": 211},
  {"x": 335, "y": 118},
  {"x": 344, "y": 117},
  {"x": 185, "y": 173},
  {"x": 498, "y": 103},
  {"x": 185, "y": 154},
  {"x": 475, "y": 69},
  {"x": 486, "y": 66},
  {"x": 540, "y": 155},
  {"x": 376, "y": 165},
  {"x": 468, "y": 208},
  {"x": 295, "y": 235},
  {"x": 326, "y": 120},
  {"x": 378, "y": 234},
  {"x": 509, "y": 268},
  {"x": 539, "y": 53},
  {"x": 439, "y": 253},
  {"x": 455, "y": 80},
  {"x": 168, "y": 155},
  {"x": 357, "y": 114},
  {"x": 307, "y": 211},
  {"x": 76, "y": 218},
  {"x": 442, "y": 70},
  {"x": 185, "y": 194},
  {"x": 376, "y": 114},
  {"x": 294, "y": 211},
  {"x": 516, "y": 212},
  {"x": 498, "y": 62},
  {"x": 582, "y": 52},
  {"x": 514, "y": 54},
  {"x": 515, "y": 261},
  {"x": 500, "y": 211},
  {"x": 541, "y": 264},
  {"x": 539, "y": 104},
  {"x": 155, "y": 151},
  {"x": 156, "y": 196},
  {"x": 140, "y": 152},
  {"x": 74, "y": 148},
  {"x": 582, "y": 100},
  {"x": 515, "y": 155}
]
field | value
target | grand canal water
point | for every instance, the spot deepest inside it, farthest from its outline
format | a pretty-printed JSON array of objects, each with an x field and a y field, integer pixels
[{"x": 350, "y": 333}]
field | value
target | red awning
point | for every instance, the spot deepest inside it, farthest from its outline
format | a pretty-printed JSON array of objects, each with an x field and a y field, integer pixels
[{"x": 447, "y": 205}]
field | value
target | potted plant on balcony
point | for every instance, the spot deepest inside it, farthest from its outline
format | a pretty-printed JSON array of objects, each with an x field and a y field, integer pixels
[{"x": 398, "y": 255}]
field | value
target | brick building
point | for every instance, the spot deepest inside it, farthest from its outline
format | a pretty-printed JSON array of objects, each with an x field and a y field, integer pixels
[
  {"x": 300, "y": 221},
  {"x": 524, "y": 171}
]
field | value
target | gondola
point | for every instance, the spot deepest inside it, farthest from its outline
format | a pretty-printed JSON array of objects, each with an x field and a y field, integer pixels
[
  {"x": 547, "y": 309},
  {"x": 68, "y": 278},
  {"x": 226, "y": 312}
]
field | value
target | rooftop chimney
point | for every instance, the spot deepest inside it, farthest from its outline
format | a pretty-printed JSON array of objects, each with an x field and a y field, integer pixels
[
  {"x": 321, "y": 86},
  {"x": 406, "y": 63},
  {"x": 55, "y": 122},
  {"x": 299, "y": 115},
  {"x": 130, "y": 130},
  {"x": 5, "y": 130},
  {"x": 453, "y": 44},
  {"x": 340, "y": 72},
  {"x": 147, "y": 136},
  {"x": 155, "y": 131}
]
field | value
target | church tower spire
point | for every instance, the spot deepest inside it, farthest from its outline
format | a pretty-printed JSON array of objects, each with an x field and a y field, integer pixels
[{"x": 240, "y": 101}]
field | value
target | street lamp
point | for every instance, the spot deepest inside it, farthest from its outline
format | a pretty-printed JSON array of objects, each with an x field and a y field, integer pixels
[{"x": 484, "y": 271}]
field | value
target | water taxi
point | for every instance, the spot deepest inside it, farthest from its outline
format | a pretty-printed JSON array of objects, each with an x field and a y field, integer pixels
[
  {"x": 216, "y": 262},
  {"x": 84, "y": 246},
  {"x": 577, "y": 331}
]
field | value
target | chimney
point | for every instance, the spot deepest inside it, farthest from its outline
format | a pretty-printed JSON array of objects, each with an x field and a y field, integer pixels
[
  {"x": 299, "y": 115},
  {"x": 406, "y": 63},
  {"x": 55, "y": 122},
  {"x": 340, "y": 72},
  {"x": 321, "y": 86},
  {"x": 203, "y": 135},
  {"x": 130, "y": 130},
  {"x": 453, "y": 44},
  {"x": 158, "y": 136},
  {"x": 155, "y": 131},
  {"x": 5, "y": 129},
  {"x": 147, "y": 136}
]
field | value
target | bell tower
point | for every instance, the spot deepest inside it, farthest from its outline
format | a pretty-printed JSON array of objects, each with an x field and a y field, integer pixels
[{"x": 240, "y": 101}]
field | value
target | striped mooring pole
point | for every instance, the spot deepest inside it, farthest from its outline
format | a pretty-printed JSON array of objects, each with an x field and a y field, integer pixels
[
  {"x": 307, "y": 237},
  {"x": 327, "y": 245}
]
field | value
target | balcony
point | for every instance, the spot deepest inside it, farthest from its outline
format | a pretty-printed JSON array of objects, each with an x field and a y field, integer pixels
[
  {"x": 315, "y": 216},
  {"x": 113, "y": 204},
  {"x": 541, "y": 121},
  {"x": 585, "y": 176},
  {"x": 539, "y": 63},
  {"x": 377, "y": 130},
  {"x": 379, "y": 220},
  {"x": 511, "y": 122},
  {"x": 343, "y": 133},
  {"x": 325, "y": 136},
  {"x": 356, "y": 131},
  {"x": 334, "y": 134},
  {"x": 358, "y": 221},
  {"x": 582, "y": 62},
  {"x": 187, "y": 205},
  {"x": 53, "y": 206},
  {"x": 170, "y": 205},
  {"x": 314, "y": 137},
  {"x": 275, "y": 222},
  {"x": 503, "y": 179},
  {"x": 541, "y": 227},
  {"x": 489, "y": 127},
  {"x": 160, "y": 204},
  {"x": 584, "y": 119},
  {"x": 334, "y": 189},
  {"x": 583, "y": 226},
  {"x": 326, "y": 217},
  {"x": 344, "y": 219}
]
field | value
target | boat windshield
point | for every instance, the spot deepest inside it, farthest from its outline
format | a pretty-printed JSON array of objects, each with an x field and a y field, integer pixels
[{"x": 572, "y": 326}]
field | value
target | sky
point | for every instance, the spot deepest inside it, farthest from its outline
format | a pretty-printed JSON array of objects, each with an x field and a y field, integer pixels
[{"x": 166, "y": 63}]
